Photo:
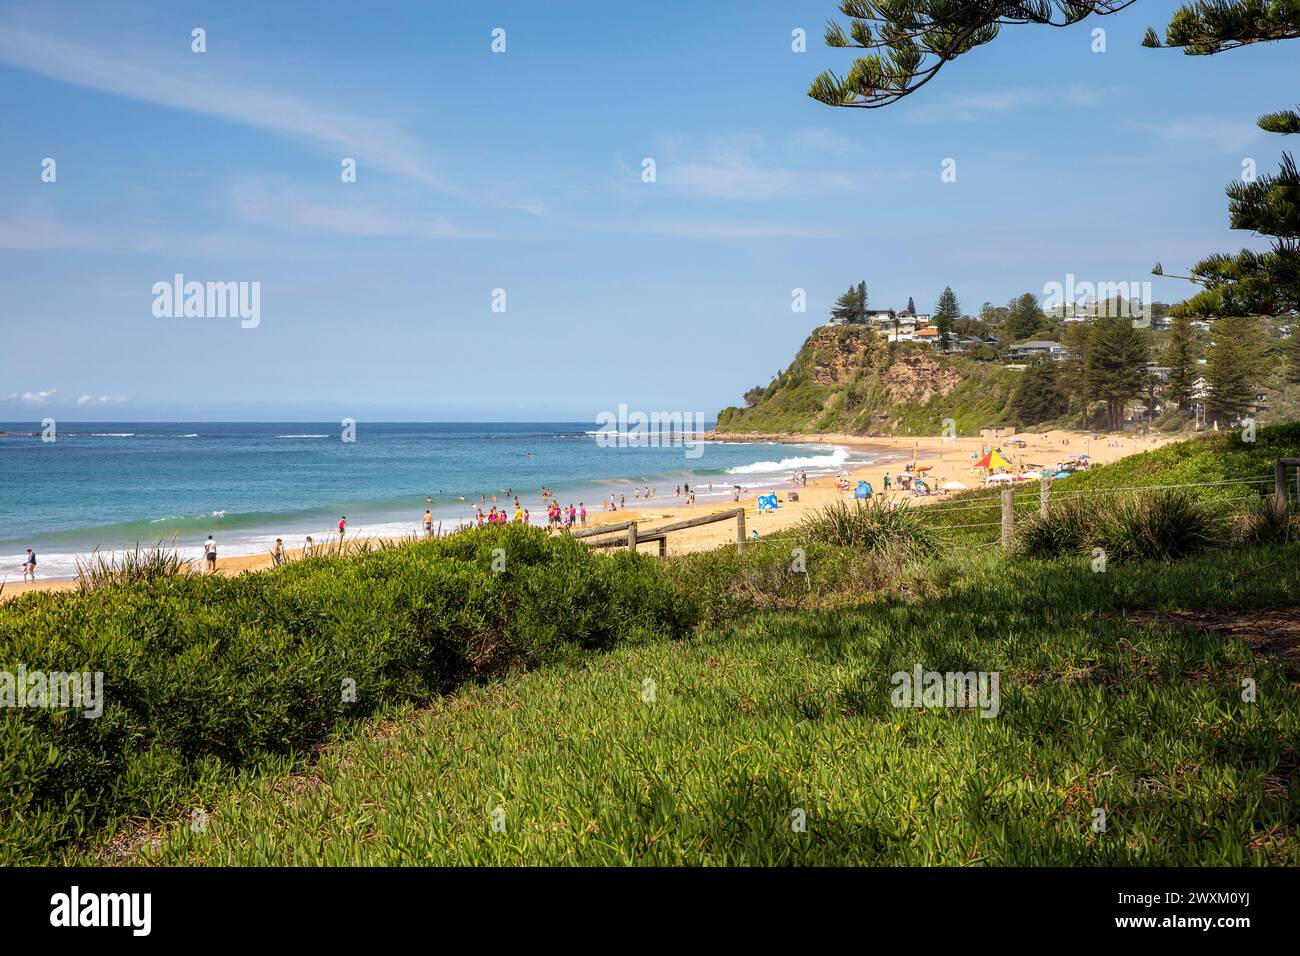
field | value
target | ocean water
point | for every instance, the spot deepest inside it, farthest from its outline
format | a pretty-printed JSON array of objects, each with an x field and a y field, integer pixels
[{"x": 113, "y": 485}]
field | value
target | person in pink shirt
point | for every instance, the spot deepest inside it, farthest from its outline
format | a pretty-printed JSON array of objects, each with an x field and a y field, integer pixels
[{"x": 343, "y": 526}]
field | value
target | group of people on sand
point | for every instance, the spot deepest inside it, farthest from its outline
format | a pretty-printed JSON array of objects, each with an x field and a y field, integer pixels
[
  {"x": 558, "y": 517},
  {"x": 278, "y": 554}
]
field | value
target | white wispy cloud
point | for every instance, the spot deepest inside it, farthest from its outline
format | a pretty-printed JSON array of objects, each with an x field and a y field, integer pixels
[
  {"x": 1205, "y": 132},
  {"x": 981, "y": 104},
  {"x": 36, "y": 225},
  {"x": 740, "y": 169},
  {"x": 287, "y": 208},
  {"x": 822, "y": 140},
  {"x": 52, "y": 396},
  {"x": 183, "y": 82},
  {"x": 92, "y": 400}
]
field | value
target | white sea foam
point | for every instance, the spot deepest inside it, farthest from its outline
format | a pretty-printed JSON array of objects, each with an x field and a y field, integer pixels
[
  {"x": 302, "y": 436},
  {"x": 837, "y": 457}
]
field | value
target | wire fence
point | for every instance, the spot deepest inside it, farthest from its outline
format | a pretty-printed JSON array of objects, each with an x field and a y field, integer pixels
[{"x": 957, "y": 520}]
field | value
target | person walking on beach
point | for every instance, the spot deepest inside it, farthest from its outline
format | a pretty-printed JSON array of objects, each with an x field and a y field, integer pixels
[
  {"x": 210, "y": 553},
  {"x": 278, "y": 554},
  {"x": 428, "y": 523},
  {"x": 29, "y": 566},
  {"x": 308, "y": 546},
  {"x": 582, "y": 514},
  {"x": 343, "y": 526}
]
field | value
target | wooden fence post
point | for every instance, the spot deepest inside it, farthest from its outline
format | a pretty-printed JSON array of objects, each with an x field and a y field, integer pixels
[
  {"x": 1279, "y": 486},
  {"x": 1045, "y": 496},
  {"x": 740, "y": 532},
  {"x": 1008, "y": 517},
  {"x": 663, "y": 546},
  {"x": 631, "y": 536}
]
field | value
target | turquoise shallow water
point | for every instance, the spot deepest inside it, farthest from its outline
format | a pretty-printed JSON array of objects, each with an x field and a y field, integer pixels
[{"x": 111, "y": 485}]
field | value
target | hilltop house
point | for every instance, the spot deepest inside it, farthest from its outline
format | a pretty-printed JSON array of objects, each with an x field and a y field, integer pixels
[
  {"x": 1035, "y": 347},
  {"x": 903, "y": 326},
  {"x": 874, "y": 318}
]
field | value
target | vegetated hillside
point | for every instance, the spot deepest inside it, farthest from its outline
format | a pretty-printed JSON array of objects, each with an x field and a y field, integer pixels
[
  {"x": 847, "y": 378},
  {"x": 1202, "y": 461}
]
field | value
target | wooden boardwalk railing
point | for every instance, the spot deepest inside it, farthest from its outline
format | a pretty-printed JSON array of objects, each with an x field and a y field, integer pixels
[{"x": 631, "y": 538}]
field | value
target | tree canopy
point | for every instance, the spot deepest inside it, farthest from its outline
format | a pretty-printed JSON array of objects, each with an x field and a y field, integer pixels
[
  {"x": 851, "y": 306},
  {"x": 909, "y": 41}
]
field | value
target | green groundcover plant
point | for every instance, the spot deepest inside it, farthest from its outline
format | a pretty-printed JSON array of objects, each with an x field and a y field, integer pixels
[{"x": 204, "y": 675}]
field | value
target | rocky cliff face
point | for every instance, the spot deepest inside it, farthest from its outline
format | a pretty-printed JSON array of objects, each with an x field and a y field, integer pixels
[
  {"x": 848, "y": 379},
  {"x": 835, "y": 352},
  {"x": 918, "y": 377}
]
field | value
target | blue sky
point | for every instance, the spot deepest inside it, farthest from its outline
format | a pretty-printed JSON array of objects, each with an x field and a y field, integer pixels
[{"x": 522, "y": 171}]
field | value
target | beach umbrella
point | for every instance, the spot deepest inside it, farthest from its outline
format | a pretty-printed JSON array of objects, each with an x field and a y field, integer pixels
[
  {"x": 992, "y": 460},
  {"x": 1061, "y": 474},
  {"x": 996, "y": 479},
  {"x": 1031, "y": 475},
  {"x": 953, "y": 486},
  {"x": 921, "y": 486}
]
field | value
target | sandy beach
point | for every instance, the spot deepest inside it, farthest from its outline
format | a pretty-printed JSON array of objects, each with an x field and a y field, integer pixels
[{"x": 948, "y": 461}]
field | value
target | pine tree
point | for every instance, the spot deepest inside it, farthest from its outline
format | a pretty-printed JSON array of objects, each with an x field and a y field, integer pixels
[
  {"x": 1234, "y": 366},
  {"x": 1023, "y": 318},
  {"x": 1115, "y": 368},
  {"x": 946, "y": 312},
  {"x": 1250, "y": 282},
  {"x": 1076, "y": 339},
  {"x": 911, "y": 307},
  {"x": 1181, "y": 358},
  {"x": 909, "y": 41},
  {"x": 1291, "y": 356},
  {"x": 1038, "y": 396},
  {"x": 851, "y": 306}
]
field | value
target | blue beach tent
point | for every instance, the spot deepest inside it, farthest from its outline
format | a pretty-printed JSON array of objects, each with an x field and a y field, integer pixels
[
  {"x": 863, "y": 490},
  {"x": 767, "y": 502}
]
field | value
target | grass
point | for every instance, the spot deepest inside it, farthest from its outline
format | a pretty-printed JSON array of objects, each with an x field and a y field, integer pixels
[
  {"x": 533, "y": 690},
  {"x": 206, "y": 675},
  {"x": 788, "y": 716}
]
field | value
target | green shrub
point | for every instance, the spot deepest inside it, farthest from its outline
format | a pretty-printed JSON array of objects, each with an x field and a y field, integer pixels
[
  {"x": 207, "y": 674},
  {"x": 1067, "y": 528},
  {"x": 1159, "y": 525},
  {"x": 873, "y": 525},
  {"x": 1261, "y": 522}
]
